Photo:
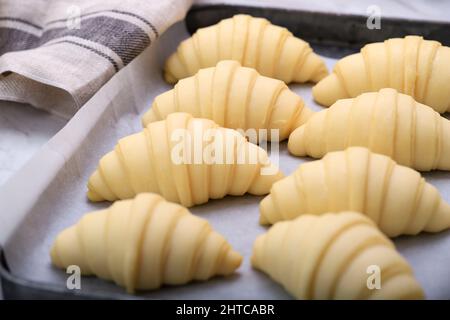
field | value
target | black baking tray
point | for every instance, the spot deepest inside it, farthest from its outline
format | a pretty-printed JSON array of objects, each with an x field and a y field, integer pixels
[{"x": 332, "y": 35}]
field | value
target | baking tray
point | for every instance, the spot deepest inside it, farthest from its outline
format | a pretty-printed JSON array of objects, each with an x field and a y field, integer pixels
[
  {"x": 333, "y": 35},
  {"x": 54, "y": 197}
]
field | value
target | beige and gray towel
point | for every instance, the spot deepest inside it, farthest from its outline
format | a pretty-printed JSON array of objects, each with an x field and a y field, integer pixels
[{"x": 56, "y": 54}]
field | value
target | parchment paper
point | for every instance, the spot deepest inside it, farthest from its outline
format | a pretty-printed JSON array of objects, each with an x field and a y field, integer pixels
[{"x": 49, "y": 194}]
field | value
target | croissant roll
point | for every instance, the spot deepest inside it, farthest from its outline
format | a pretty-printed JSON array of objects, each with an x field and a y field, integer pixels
[
  {"x": 386, "y": 122},
  {"x": 255, "y": 43},
  {"x": 411, "y": 65},
  {"x": 328, "y": 257},
  {"x": 144, "y": 243},
  {"x": 234, "y": 97},
  {"x": 187, "y": 160},
  {"x": 395, "y": 197}
]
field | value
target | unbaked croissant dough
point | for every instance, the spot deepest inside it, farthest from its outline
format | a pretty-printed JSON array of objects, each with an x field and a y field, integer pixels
[
  {"x": 255, "y": 43},
  {"x": 234, "y": 97},
  {"x": 331, "y": 257},
  {"x": 417, "y": 67},
  {"x": 397, "y": 198},
  {"x": 187, "y": 160},
  {"x": 144, "y": 243},
  {"x": 386, "y": 122}
]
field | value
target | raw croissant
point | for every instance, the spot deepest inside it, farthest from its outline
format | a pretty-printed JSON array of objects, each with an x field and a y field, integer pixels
[
  {"x": 255, "y": 43},
  {"x": 386, "y": 122},
  {"x": 331, "y": 256},
  {"x": 417, "y": 67},
  {"x": 234, "y": 97},
  {"x": 144, "y": 243},
  {"x": 395, "y": 197},
  {"x": 207, "y": 161}
]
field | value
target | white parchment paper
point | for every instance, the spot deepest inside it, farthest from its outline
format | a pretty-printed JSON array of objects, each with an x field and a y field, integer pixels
[{"x": 49, "y": 194}]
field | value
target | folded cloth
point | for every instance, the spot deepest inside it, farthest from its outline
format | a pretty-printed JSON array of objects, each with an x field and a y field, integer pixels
[{"x": 55, "y": 54}]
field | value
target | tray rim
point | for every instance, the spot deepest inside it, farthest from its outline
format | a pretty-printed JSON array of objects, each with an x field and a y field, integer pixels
[{"x": 8, "y": 278}]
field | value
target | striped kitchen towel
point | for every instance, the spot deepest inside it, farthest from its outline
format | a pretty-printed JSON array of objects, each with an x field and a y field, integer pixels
[{"x": 55, "y": 54}]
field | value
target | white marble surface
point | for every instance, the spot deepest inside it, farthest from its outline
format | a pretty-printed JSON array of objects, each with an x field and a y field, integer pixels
[
  {"x": 434, "y": 10},
  {"x": 23, "y": 130}
]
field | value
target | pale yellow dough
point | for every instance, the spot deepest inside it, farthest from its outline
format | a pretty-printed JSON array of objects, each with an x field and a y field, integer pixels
[
  {"x": 411, "y": 65},
  {"x": 395, "y": 197},
  {"x": 234, "y": 97},
  {"x": 144, "y": 243},
  {"x": 144, "y": 162},
  {"x": 255, "y": 43},
  {"x": 328, "y": 257},
  {"x": 386, "y": 122}
]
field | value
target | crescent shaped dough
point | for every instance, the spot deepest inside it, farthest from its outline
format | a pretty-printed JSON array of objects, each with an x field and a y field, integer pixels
[
  {"x": 234, "y": 97},
  {"x": 411, "y": 65},
  {"x": 255, "y": 43},
  {"x": 386, "y": 122},
  {"x": 395, "y": 197},
  {"x": 330, "y": 256},
  {"x": 144, "y": 243},
  {"x": 187, "y": 160}
]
